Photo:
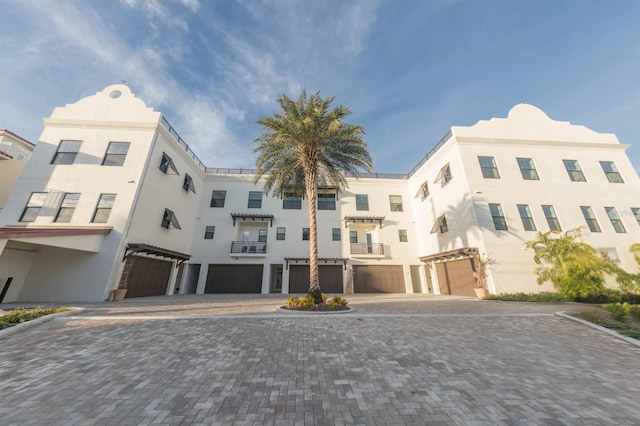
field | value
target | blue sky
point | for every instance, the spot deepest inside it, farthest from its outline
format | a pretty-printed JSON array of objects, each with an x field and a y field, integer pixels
[{"x": 408, "y": 70}]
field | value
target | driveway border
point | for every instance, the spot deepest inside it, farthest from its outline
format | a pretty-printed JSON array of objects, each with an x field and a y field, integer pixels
[
  {"x": 32, "y": 323},
  {"x": 610, "y": 332}
]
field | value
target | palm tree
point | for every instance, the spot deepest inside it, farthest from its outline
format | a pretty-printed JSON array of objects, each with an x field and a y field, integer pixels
[{"x": 303, "y": 146}]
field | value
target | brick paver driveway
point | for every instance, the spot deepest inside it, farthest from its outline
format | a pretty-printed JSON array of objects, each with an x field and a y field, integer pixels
[{"x": 396, "y": 360}]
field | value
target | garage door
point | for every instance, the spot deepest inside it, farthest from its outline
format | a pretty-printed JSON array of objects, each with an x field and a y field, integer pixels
[
  {"x": 234, "y": 279},
  {"x": 456, "y": 277},
  {"x": 378, "y": 279},
  {"x": 330, "y": 278},
  {"x": 146, "y": 277}
]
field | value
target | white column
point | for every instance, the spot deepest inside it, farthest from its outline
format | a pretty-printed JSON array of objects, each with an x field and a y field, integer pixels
[{"x": 202, "y": 279}]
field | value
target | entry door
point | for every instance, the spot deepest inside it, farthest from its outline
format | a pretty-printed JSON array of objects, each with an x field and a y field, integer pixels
[{"x": 369, "y": 243}]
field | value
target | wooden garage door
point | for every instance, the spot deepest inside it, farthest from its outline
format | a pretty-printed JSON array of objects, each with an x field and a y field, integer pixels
[
  {"x": 234, "y": 279},
  {"x": 456, "y": 277},
  {"x": 147, "y": 277},
  {"x": 378, "y": 279},
  {"x": 330, "y": 278}
]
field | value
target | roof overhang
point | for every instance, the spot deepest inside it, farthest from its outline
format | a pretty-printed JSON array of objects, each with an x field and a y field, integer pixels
[
  {"x": 324, "y": 260},
  {"x": 134, "y": 248},
  {"x": 260, "y": 217},
  {"x": 363, "y": 219},
  {"x": 84, "y": 238},
  {"x": 446, "y": 256}
]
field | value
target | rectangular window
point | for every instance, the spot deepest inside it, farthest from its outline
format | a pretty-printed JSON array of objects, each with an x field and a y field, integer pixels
[
  {"x": 440, "y": 225},
  {"x": 103, "y": 209},
  {"x": 208, "y": 232},
  {"x": 636, "y": 213},
  {"x": 527, "y": 217},
  {"x": 291, "y": 201},
  {"x": 395, "y": 202},
  {"x": 423, "y": 191},
  {"x": 499, "y": 222},
  {"x": 280, "y": 234},
  {"x": 444, "y": 175},
  {"x": 527, "y": 169},
  {"x": 615, "y": 220},
  {"x": 353, "y": 237},
  {"x": 489, "y": 168},
  {"x": 362, "y": 202},
  {"x": 402, "y": 235},
  {"x": 335, "y": 234},
  {"x": 188, "y": 185},
  {"x": 116, "y": 154},
  {"x": 305, "y": 234},
  {"x": 552, "y": 218},
  {"x": 262, "y": 235},
  {"x": 217, "y": 198},
  {"x": 574, "y": 170},
  {"x": 35, "y": 203},
  {"x": 255, "y": 200},
  {"x": 167, "y": 164},
  {"x": 326, "y": 201},
  {"x": 67, "y": 152},
  {"x": 68, "y": 206},
  {"x": 169, "y": 219},
  {"x": 590, "y": 218},
  {"x": 611, "y": 171}
]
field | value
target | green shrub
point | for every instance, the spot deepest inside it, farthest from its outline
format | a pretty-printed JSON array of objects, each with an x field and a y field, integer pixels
[
  {"x": 618, "y": 311},
  {"x": 634, "y": 311},
  {"x": 337, "y": 301},
  {"x": 20, "y": 315},
  {"x": 633, "y": 333},
  {"x": 545, "y": 296},
  {"x": 594, "y": 316}
]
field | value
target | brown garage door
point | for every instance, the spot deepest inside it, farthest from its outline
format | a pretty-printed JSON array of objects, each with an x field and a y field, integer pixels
[
  {"x": 234, "y": 279},
  {"x": 330, "y": 278},
  {"x": 146, "y": 277},
  {"x": 456, "y": 277},
  {"x": 378, "y": 279}
]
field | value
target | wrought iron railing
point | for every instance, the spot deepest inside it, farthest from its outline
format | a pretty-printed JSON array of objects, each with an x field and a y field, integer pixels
[
  {"x": 182, "y": 143},
  {"x": 249, "y": 247},
  {"x": 367, "y": 248}
]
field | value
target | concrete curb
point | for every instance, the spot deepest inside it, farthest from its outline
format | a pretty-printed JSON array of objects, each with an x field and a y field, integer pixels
[
  {"x": 25, "y": 325},
  {"x": 610, "y": 332},
  {"x": 294, "y": 312}
]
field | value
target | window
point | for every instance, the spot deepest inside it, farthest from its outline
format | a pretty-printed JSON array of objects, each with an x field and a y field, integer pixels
[
  {"x": 35, "y": 203},
  {"x": 440, "y": 225},
  {"x": 103, "y": 209},
  {"x": 489, "y": 168},
  {"x": 552, "y": 218},
  {"x": 611, "y": 171},
  {"x": 636, "y": 213},
  {"x": 68, "y": 206},
  {"x": 188, "y": 185},
  {"x": 262, "y": 235},
  {"x": 423, "y": 191},
  {"x": 527, "y": 217},
  {"x": 217, "y": 198},
  {"x": 353, "y": 237},
  {"x": 116, "y": 154},
  {"x": 169, "y": 219},
  {"x": 167, "y": 164},
  {"x": 590, "y": 217},
  {"x": 499, "y": 222},
  {"x": 208, "y": 232},
  {"x": 305, "y": 234},
  {"x": 362, "y": 202},
  {"x": 280, "y": 234},
  {"x": 574, "y": 170},
  {"x": 255, "y": 200},
  {"x": 395, "y": 202},
  {"x": 335, "y": 234},
  {"x": 527, "y": 169},
  {"x": 67, "y": 152},
  {"x": 326, "y": 201},
  {"x": 444, "y": 175},
  {"x": 402, "y": 235},
  {"x": 615, "y": 220},
  {"x": 291, "y": 201}
]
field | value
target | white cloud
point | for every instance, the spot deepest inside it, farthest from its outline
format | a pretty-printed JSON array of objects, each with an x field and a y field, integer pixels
[{"x": 191, "y": 4}]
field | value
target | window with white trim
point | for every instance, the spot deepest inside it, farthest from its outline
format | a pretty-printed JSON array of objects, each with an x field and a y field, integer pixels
[
  {"x": 440, "y": 225},
  {"x": 116, "y": 154},
  {"x": 362, "y": 202},
  {"x": 33, "y": 207},
  {"x": 217, "y": 198},
  {"x": 402, "y": 235},
  {"x": 67, "y": 152},
  {"x": 291, "y": 201},
  {"x": 255, "y": 200},
  {"x": 68, "y": 206},
  {"x": 611, "y": 171},
  {"x": 552, "y": 218},
  {"x": 636, "y": 213},
  {"x": 188, "y": 185},
  {"x": 305, "y": 234},
  {"x": 444, "y": 175},
  {"x": 395, "y": 203},
  {"x": 499, "y": 221},
  {"x": 169, "y": 219},
  {"x": 527, "y": 169},
  {"x": 209, "y": 231},
  {"x": 590, "y": 218},
  {"x": 527, "y": 217},
  {"x": 489, "y": 167},
  {"x": 166, "y": 164},
  {"x": 326, "y": 201},
  {"x": 335, "y": 234},
  {"x": 280, "y": 233},
  {"x": 103, "y": 209},
  {"x": 615, "y": 220},
  {"x": 574, "y": 170}
]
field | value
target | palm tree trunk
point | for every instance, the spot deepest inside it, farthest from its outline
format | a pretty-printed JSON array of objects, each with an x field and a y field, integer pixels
[{"x": 314, "y": 276}]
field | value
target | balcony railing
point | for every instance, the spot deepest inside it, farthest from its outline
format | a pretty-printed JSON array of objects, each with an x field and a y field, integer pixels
[
  {"x": 249, "y": 247},
  {"x": 367, "y": 248}
]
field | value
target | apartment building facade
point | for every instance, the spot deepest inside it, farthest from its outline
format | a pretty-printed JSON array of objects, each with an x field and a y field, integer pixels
[
  {"x": 114, "y": 197},
  {"x": 14, "y": 153}
]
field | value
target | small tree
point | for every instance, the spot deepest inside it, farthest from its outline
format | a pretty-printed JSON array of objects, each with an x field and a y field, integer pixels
[
  {"x": 575, "y": 268},
  {"x": 629, "y": 282},
  {"x": 482, "y": 264}
]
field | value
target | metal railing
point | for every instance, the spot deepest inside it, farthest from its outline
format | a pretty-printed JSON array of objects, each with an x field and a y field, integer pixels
[
  {"x": 249, "y": 247},
  {"x": 226, "y": 171},
  {"x": 431, "y": 153},
  {"x": 182, "y": 143},
  {"x": 367, "y": 248}
]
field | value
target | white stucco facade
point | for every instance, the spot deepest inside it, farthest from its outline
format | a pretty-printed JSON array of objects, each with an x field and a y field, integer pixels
[{"x": 382, "y": 233}]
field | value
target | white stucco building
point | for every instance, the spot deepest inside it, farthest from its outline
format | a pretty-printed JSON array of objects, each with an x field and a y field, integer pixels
[
  {"x": 14, "y": 153},
  {"x": 112, "y": 196}
]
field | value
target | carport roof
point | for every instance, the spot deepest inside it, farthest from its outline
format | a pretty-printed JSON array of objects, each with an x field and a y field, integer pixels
[
  {"x": 363, "y": 219},
  {"x": 342, "y": 260},
  {"x": 461, "y": 253},
  {"x": 8, "y": 232},
  {"x": 156, "y": 251}
]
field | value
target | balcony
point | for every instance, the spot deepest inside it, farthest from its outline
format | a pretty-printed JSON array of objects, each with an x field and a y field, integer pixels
[
  {"x": 367, "y": 250},
  {"x": 248, "y": 249}
]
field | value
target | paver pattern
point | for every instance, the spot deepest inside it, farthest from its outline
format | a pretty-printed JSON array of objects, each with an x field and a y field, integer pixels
[{"x": 487, "y": 364}]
